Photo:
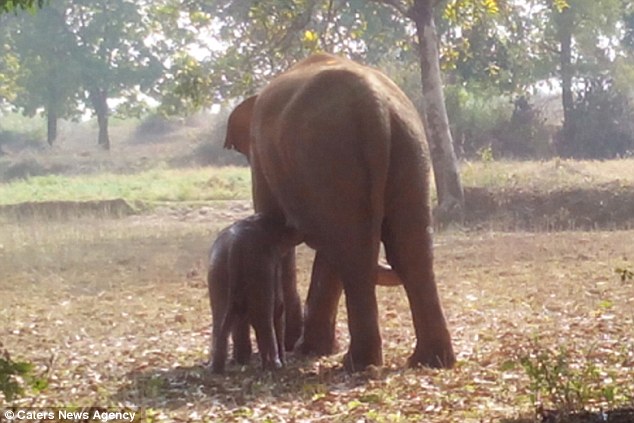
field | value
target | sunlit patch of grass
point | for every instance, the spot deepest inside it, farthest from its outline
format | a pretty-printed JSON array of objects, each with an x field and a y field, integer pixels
[
  {"x": 195, "y": 184},
  {"x": 546, "y": 176}
]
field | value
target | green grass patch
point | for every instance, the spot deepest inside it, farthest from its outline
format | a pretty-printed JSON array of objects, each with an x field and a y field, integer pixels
[
  {"x": 547, "y": 176},
  {"x": 199, "y": 184}
]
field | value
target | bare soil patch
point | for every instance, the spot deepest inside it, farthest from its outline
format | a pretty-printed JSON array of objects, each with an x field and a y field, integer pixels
[{"x": 114, "y": 313}]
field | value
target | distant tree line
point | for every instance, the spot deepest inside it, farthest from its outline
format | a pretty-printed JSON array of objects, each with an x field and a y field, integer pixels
[{"x": 498, "y": 59}]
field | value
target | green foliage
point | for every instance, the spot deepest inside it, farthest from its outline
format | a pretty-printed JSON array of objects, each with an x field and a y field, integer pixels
[
  {"x": 14, "y": 5},
  {"x": 625, "y": 274},
  {"x": 189, "y": 87},
  {"x": 154, "y": 185},
  {"x": 15, "y": 375},
  {"x": 47, "y": 76},
  {"x": 491, "y": 43},
  {"x": 600, "y": 126},
  {"x": 475, "y": 115},
  {"x": 9, "y": 66},
  {"x": 556, "y": 380},
  {"x": 73, "y": 54},
  {"x": 255, "y": 40},
  {"x": 486, "y": 154}
]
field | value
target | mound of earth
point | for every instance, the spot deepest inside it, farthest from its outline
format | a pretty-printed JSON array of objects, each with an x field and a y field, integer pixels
[
  {"x": 65, "y": 209},
  {"x": 605, "y": 207},
  {"x": 610, "y": 206}
]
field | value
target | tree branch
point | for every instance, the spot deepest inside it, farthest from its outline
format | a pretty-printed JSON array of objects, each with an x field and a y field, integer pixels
[{"x": 396, "y": 5}]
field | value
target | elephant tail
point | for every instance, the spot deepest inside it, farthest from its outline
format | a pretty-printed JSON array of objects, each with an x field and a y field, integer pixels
[
  {"x": 387, "y": 276},
  {"x": 376, "y": 131}
]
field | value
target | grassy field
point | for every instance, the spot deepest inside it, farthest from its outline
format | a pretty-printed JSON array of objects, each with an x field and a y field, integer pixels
[
  {"x": 213, "y": 183},
  {"x": 156, "y": 185},
  {"x": 114, "y": 312}
]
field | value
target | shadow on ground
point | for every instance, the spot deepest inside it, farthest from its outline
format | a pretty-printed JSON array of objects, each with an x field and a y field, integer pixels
[{"x": 301, "y": 379}]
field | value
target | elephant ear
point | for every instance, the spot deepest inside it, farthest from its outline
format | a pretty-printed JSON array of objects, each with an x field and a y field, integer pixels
[{"x": 239, "y": 127}]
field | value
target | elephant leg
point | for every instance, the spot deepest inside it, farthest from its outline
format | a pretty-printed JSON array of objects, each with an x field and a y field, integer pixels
[
  {"x": 280, "y": 330},
  {"x": 407, "y": 236},
  {"x": 359, "y": 276},
  {"x": 325, "y": 290},
  {"x": 292, "y": 303},
  {"x": 220, "y": 338},
  {"x": 241, "y": 336},
  {"x": 263, "y": 323},
  {"x": 219, "y": 304}
]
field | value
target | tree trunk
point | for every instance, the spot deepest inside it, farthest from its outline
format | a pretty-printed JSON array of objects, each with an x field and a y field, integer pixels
[
  {"x": 564, "y": 33},
  {"x": 51, "y": 125},
  {"x": 444, "y": 162},
  {"x": 99, "y": 99}
]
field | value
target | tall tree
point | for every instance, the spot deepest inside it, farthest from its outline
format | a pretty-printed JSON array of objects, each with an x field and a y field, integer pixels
[
  {"x": 77, "y": 53},
  {"x": 259, "y": 39},
  {"x": 113, "y": 53},
  {"x": 44, "y": 72},
  {"x": 447, "y": 176},
  {"x": 573, "y": 31}
]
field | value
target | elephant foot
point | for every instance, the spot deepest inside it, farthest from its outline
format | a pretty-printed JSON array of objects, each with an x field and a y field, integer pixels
[
  {"x": 437, "y": 356},
  {"x": 216, "y": 367},
  {"x": 272, "y": 365},
  {"x": 358, "y": 364},
  {"x": 242, "y": 355},
  {"x": 315, "y": 345}
]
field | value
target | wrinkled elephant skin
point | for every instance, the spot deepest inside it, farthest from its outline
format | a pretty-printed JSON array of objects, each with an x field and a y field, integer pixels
[{"x": 339, "y": 151}]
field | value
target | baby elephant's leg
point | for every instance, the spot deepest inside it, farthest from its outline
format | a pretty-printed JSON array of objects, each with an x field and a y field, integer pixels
[
  {"x": 241, "y": 337},
  {"x": 220, "y": 337},
  {"x": 280, "y": 329},
  {"x": 261, "y": 315},
  {"x": 267, "y": 344}
]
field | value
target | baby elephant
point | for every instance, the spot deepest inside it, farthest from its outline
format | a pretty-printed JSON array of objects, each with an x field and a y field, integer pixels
[{"x": 245, "y": 289}]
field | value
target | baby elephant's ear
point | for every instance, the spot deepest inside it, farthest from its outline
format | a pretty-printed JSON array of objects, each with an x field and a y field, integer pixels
[{"x": 239, "y": 127}]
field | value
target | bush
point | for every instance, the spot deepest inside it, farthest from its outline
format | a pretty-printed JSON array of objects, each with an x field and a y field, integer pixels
[
  {"x": 153, "y": 127},
  {"x": 524, "y": 135},
  {"x": 474, "y": 117},
  {"x": 485, "y": 122},
  {"x": 14, "y": 375},
  {"x": 12, "y": 141},
  {"x": 601, "y": 123},
  {"x": 210, "y": 150}
]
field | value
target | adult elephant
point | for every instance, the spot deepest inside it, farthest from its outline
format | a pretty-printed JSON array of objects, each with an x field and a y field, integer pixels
[{"x": 339, "y": 151}]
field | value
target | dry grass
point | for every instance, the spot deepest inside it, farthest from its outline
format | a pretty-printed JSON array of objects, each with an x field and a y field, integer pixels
[
  {"x": 208, "y": 183},
  {"x": 548, "y": 176},
  {"x": 114, "y": 312}
]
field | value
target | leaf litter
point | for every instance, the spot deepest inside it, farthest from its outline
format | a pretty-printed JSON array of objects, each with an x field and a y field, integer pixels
[{"x": 140, "y": 335}]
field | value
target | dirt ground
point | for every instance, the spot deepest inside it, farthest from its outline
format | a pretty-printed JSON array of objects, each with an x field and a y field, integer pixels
[{"x": 114, "y": 313}]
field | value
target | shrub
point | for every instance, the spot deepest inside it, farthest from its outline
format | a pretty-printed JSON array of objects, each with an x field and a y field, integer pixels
[
  {"x": 524, "y": 134},
  {"x": 13, "y": 141},
  {"x": 14, "y": 375},
  {"x": 154, "y": 126},
  {"x": 601, "y": 123},
  {"x": 474, "y": 115},
  {"x": 209, "y": 150}
]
